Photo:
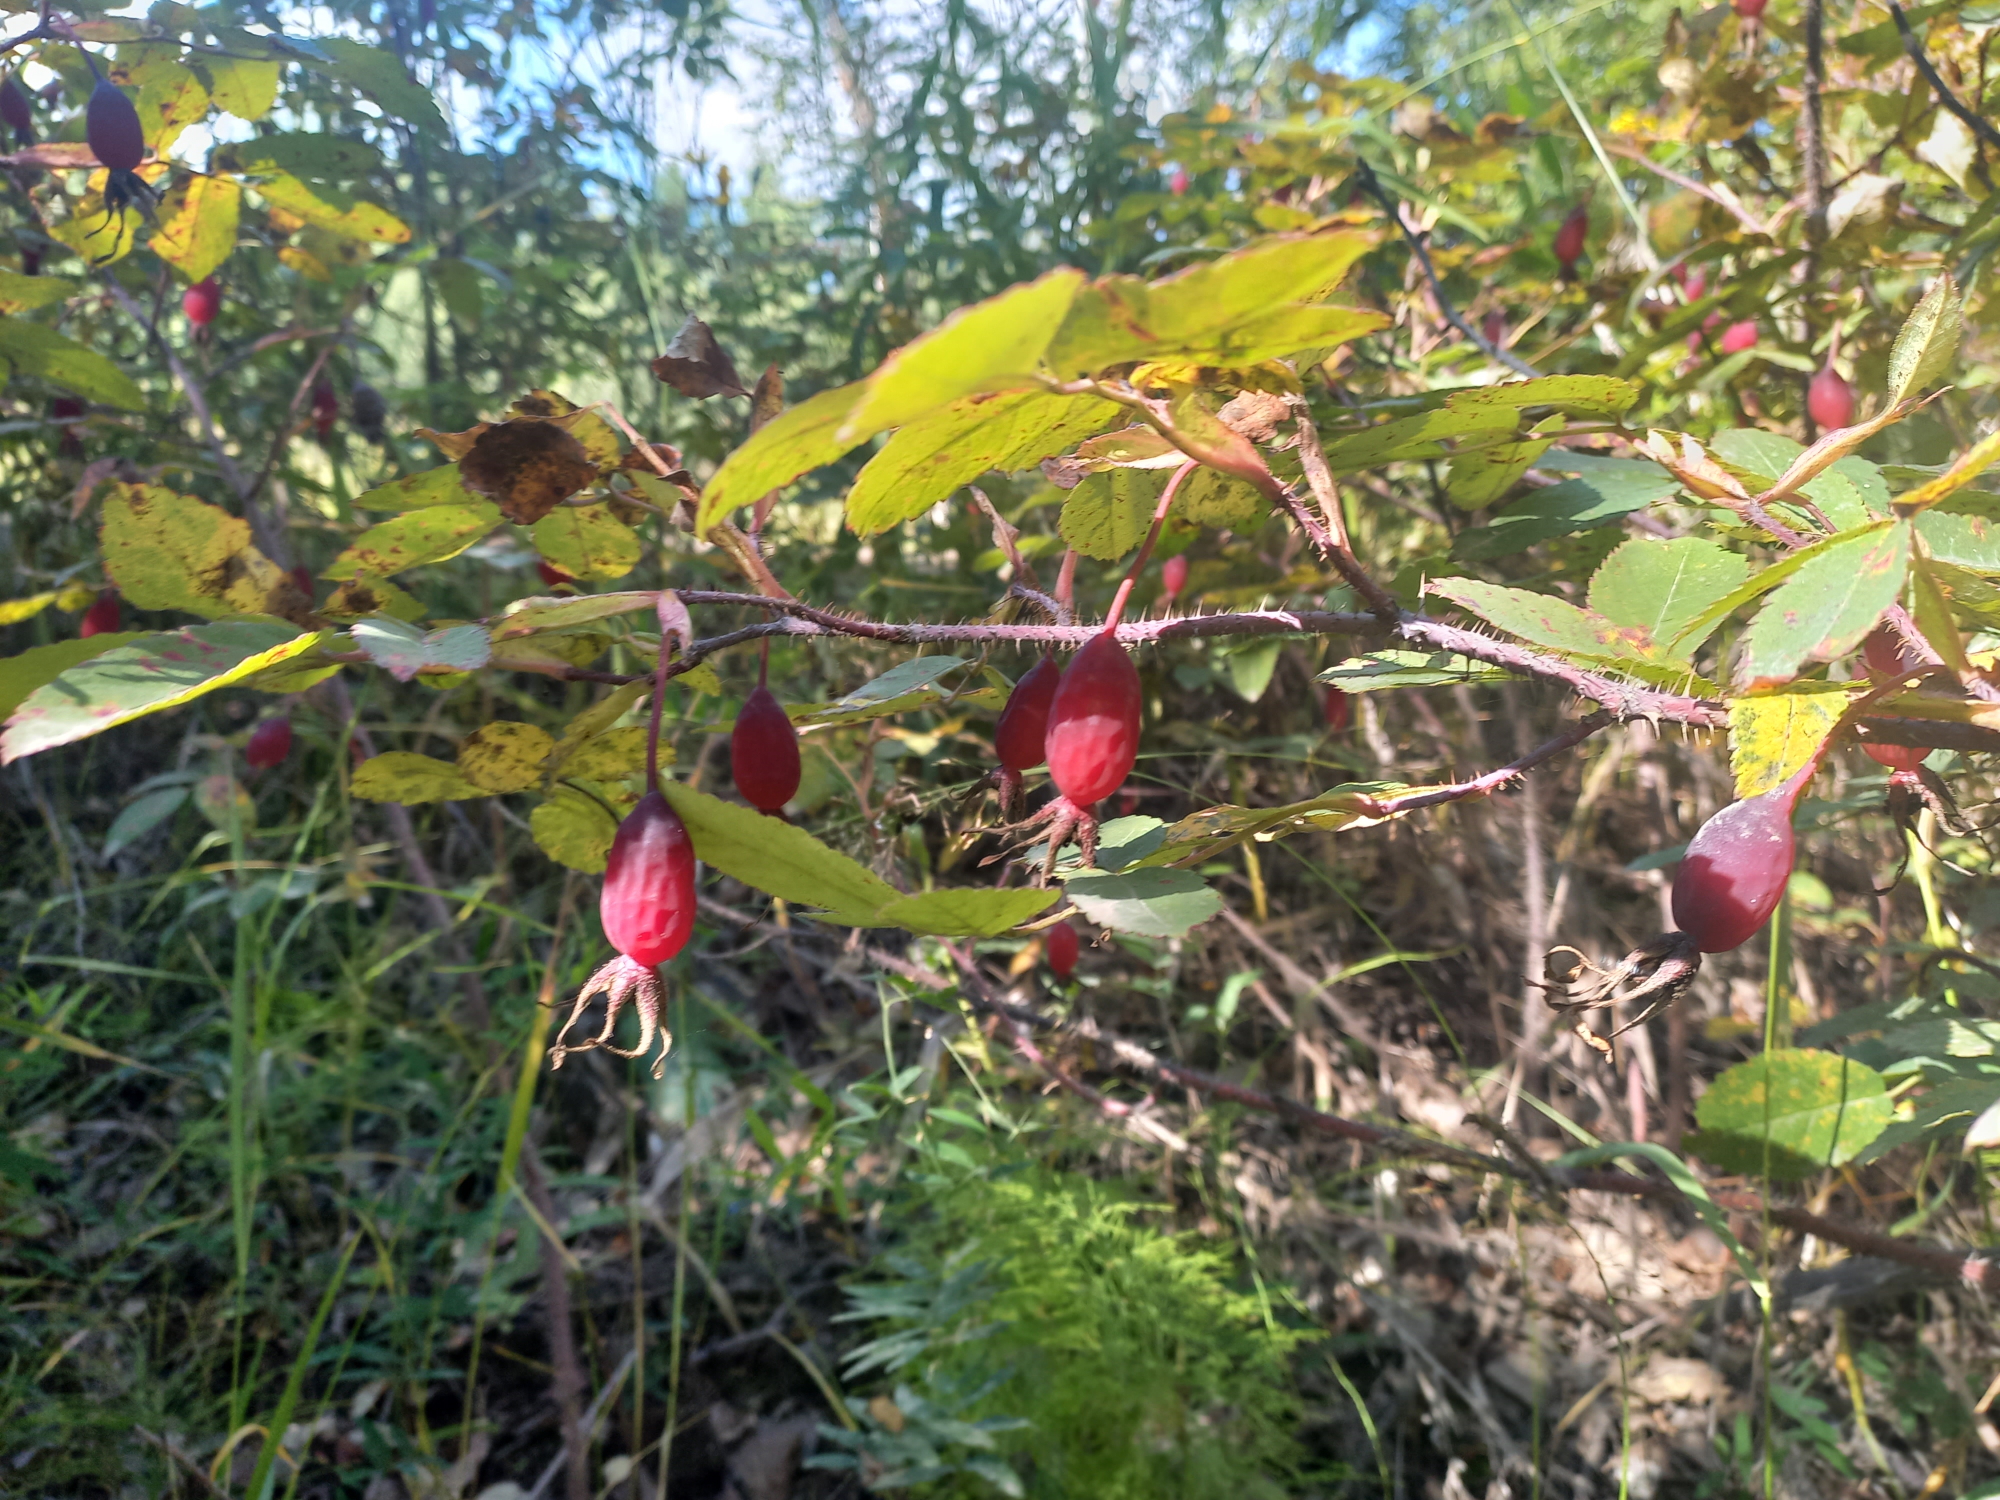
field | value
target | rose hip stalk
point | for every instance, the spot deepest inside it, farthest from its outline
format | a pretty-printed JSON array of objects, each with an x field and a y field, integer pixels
[{"x": 648, "y": 901}]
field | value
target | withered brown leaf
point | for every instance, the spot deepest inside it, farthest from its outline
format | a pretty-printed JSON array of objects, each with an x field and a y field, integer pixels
[
  {"x": 526, "y": 467},
  {"x": 697, "y": 366}
]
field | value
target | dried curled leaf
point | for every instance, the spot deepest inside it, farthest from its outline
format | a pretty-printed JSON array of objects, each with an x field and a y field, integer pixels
[
  {"x": 697, "y": 366},
  {"x": 526, "y": 467}
]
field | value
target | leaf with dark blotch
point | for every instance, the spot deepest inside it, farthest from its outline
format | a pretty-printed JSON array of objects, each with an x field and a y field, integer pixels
[
  {"x": 697, "y": 366},
  {"x": 526, "y": 467}
]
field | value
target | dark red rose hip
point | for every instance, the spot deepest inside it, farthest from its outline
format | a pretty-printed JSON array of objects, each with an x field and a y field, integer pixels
[
  {"x": 1020, "y": 738},
  {"x": 111, "y": 126},
  {"x": 1063, "y": 946},
  {"x": 1339, "y": 709},
  {"x": 202, "y": 301},
  {"x": 1830, "y": 399},
  {"x": 551, "y": 574},
  {"x": 103, "y": 617},
  {"x": 269, "y": 743},
  {"x": 648, "y": 901},
  {"x": 764, "y": 752},
  {"x": 325, "y": 407},
  {"x": 1570, "y": 237},
  {"x": 1734, "y": 872},
  {"x": 17, "y": 112},
  {"x": 1093, "y": 734}
]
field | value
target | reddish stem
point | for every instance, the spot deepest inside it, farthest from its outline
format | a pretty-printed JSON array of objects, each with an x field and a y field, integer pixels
[{"x": 1146, "y": 547}]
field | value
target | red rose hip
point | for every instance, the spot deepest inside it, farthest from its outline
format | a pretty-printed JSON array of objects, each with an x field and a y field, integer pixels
[
  {"x": 269, "y": 743},
  {"x": 1093, "y": 736},
  {"x": 103, "y": 617},
  {"x": 202, "y": 301},
  {"x": 1895, "y": 757},
  {"x": 764, "y": 752},
  {"x": 1749, "y": 10},
  {"x": 1739, "y": 336},
  {"x": 1734, "y": 872},
  {"x": 1830, "y": 399},
  {"x": 648, "y": 902},
  {"x": 1339, "y": 709},
  {"x": 1063, "y": 945},
  {"x": 17, "y": 112},
  {"x": 1174, "y": 575},
  {"x": 1570, "y": 237},
  {"x": 1020, "y": 738},
  {"x": 551, "y": 574}
]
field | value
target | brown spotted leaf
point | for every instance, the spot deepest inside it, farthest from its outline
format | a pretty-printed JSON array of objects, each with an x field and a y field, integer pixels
[{"x": 526, "y": 467}]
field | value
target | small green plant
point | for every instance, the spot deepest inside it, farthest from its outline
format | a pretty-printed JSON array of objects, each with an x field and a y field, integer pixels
[{"x": 1038, "y": 1324}]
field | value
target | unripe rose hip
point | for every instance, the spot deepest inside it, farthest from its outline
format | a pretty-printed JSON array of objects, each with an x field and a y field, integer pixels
[
  {"x": 1062, "y": 947},
  {"x": 269, "y": 743},
  {"x": 1830, "y": 399},
  {"x": 102, "y": 617},
  {"x": 1020, "y": 738},
  {"x": 648, "y": 902},
  {"x": 202, "y": 301},
  {"x": 1173, "y": 576},
  {"x": 1093, "y": 736},
  {"x": 764, "y": 752},
  {"x": 1734, "y": 872},
  {"x": 111, "y": 126}
]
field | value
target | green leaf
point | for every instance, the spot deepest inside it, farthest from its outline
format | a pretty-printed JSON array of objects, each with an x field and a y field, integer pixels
[
  {"x": 574, "y": 829},
  {"x": 1597, "y": 498},
  {"x": 145, "y": 676},
  {"x": 1381, "y": 671},
  {"x": 795, "y": 442},
  {"x": 429, "y": 535},
  {"x": 615, "y": 755},
  {"x": 1969, "y": 542},
  {"x": 965, "y": 912},
  {"x": 1826, "y": 607},
  {"x": 1851, "y": 492},
  {"x": 587, "y": 541},
  {"x": 21, "y": 675},
  {"x": 1772, "y": 735},
  {"x": 1927, "y": 342},
  {"x": 1229, "y": 311},
  {"x": 402, "y": 650},
  {"x": 35, "y": 350},
  {"x": 1662, "y": 586},
  {"x": 533, "y": 616},
  {"x": 1575, "y": 395},
  {"x": 1485, "y": 475},
  {"x": 379, "y": 73},
  {"x": 198, "y": 225},
  {"x": 1219, "y": 501},
  {"x": 506, "y": 756},
  {"x": 1421, "y": 436},
  {"x": 995, "y": 345},
  {"x": 142, "y": 816},
  {"x": 20, "y": 293},
  {"x": 170, "y": 551},
  {"x": 1250, "y": 668},
  {"x": 1150, "y": 901},
  {"x": 1766, "y": 579},
  {"x": 405, "y": 777},
  {"x": 929, "y": 459},
  {"x": 301, "y": 154},
  {"x": 1792, "y": 1112},
  {"x": 245, "y": 87},
  {"x": 334, "y": 211},
  {"x": 777, "y": 858},
  {"x": 1108, "y": 514},
  {"x": 441, "y": 486},
  {"x": 1544, "y": 620},
  {"x": 907, "y": 686}
]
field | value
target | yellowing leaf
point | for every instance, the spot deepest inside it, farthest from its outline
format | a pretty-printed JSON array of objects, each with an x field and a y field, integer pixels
[
  {"x": 245, "y": 87},
  {"x": 1771, "y": 735},
  {"x": 795, "y": 442},
  {"x": 587, "y": 541},
  {"x": 170, "y": 551},
  {"x": 615, "y": 755},
  {"x": 35, "y": 350},
  {"x": 574, "y": 829},
  {"x": 1107, "y": 514},
  {"x": 172, "y": 100},
  {"x": 505, "y": 756},
  {"x": 334, "y": 211},
  {"x": 198, "y": 225},
  {"x": 430, "y": 535},
  {"x": 20, "y": 293},
  {"x": 14, "y": 611},
  {"x": 408, "y": 778}
]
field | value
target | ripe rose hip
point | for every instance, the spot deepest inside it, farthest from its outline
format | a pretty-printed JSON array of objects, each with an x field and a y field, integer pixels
[
  {"x": 1734, "y": 872},
  {"x": 102, "y": 617},
  {"x": 17, "y": 112},
  {"x": 1020, "y": 738},
  {"x": 1830, "y": 399},
  {"x": 1093, "y": 736},
  {"x": 202, "y": 301},
  {"x": 1749, "y": 10},
  {"x": 648, "y": 901},
  {"x": 1179, "y": 181},
  {"x": 1570, "y": 237},
  {"x": 269, "y": 743},
  {"x": 1895, "y": 757},
  {"x": 302, "y": 579},
  {"x": 1888, "y": 655},
  {"x": 111, "y": 126},
  {"x": 1739, "y": 336},
  {"x": 1173, "y": 576},
  {"x": 1339, "y": 709},
  {"x": 764, "y": 752},
  {"x": 1062, "y": 949},
  {"x": 325, "y": 407},
  {"x": 551, "y": 574}
]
